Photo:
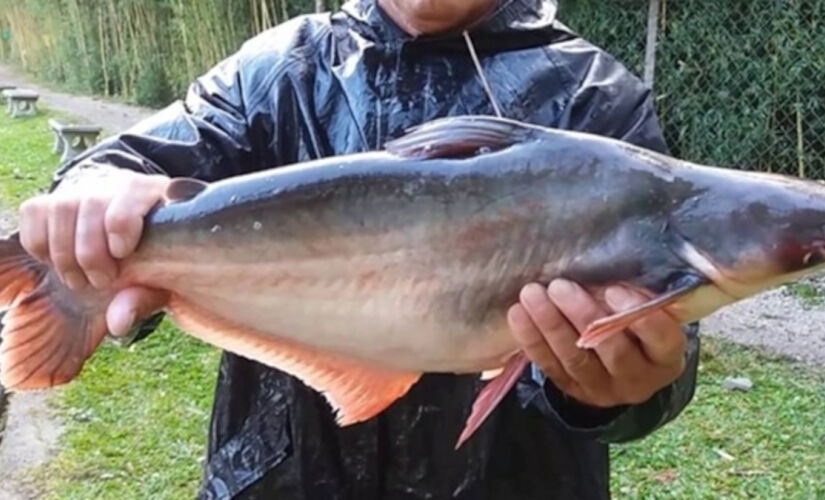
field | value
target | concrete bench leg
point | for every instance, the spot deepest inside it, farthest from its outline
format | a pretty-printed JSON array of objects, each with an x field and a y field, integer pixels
[
  {"x": 58, "y": 143},
  {"x": 73, "y": 146},
  {"x": 23, "y": 108}
]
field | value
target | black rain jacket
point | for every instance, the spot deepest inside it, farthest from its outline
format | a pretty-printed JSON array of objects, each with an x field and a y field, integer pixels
[{"x": 347, "y": 82}]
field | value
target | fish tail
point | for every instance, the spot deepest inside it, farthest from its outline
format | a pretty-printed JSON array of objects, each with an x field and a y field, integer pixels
[{"x": 48, "y": 331}]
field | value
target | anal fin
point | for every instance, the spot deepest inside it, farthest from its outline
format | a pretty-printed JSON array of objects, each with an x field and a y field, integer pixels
[{"x": 355, "y": 390}]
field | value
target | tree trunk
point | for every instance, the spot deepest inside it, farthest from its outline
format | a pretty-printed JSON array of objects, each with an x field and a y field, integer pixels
[{"x": 320, "y": 6}]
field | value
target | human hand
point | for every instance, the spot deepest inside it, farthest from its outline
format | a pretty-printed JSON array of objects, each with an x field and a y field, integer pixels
[
  {"x": 627, "y": 368},
  {"x": 89, "y": 222}
]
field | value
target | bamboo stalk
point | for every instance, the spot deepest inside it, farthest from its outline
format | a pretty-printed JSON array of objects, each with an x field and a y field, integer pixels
[
  {"x": 187, "y": 52},
  {"x": 256, "y": 18},
  {"x": 104, "y": 63},
  {"x": 284, "y": 12}
]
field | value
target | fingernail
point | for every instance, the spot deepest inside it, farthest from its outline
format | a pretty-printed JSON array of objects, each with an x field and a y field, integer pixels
[
  {"x": 99, "y": 279},
  {"x": 117, "y": 245},
  {"x": 74, "y": 280},
  {"x": 532, "y": 294},
  {"x": 131, "y": 317},
  {"x": 618, "y": 298},
  {"x": 559, "y": 288}
]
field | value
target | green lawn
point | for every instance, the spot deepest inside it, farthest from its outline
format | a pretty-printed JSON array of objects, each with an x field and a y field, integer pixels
[
  {"x": 136, "y": 419},
  {"x": 26, "y": 160}
]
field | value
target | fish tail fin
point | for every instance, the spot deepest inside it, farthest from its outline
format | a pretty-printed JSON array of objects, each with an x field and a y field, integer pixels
[
  {"x": 491, "y": 395},
  {"x": 48, "y": 332}
]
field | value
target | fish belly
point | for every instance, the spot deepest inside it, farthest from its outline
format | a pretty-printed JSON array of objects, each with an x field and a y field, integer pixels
[{"x": 365, "y": 309}]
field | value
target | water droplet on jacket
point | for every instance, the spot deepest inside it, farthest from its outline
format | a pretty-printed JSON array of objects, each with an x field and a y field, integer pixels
[
  {"x": 257, "y": 225},
  {"x": 216, "y": 228}
]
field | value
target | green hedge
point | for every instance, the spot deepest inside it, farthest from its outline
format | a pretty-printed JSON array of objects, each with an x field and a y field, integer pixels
[{"x": 739, "y": 83}]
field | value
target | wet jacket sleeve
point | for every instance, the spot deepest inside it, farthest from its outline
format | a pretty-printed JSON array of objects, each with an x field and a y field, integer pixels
[{"x": 611, "y": 102}]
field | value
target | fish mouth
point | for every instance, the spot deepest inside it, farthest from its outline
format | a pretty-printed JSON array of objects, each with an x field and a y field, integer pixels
[{"x": 756, "y": 272}]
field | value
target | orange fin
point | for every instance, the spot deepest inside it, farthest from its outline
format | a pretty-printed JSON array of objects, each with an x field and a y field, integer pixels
[
  {"x": 355, "y": 390},
  {"x": 601, "y": 329},
  {"x": 48, "y": 333},
  {"x": 491, "y": 395}
]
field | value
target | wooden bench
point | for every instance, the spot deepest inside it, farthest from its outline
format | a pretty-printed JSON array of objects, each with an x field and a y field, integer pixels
[
  {"x": 71, "y": 139},
  {"x": 21, "y": 102}
]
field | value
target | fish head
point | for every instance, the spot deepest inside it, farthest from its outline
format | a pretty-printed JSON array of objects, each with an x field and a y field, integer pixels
[{"x": 749, "y": 231}]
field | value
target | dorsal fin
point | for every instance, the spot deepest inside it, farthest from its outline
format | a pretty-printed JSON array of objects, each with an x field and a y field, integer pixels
[
  {"x": 184, "y": 188},
  {"x": 460, "y": 136}
]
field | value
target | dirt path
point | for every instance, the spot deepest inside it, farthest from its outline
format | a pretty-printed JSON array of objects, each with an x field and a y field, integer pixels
[
  {"x": 778, "y": 321},
  {"x": 33, "y": 429},
  {"x": 112, "y": 116}
]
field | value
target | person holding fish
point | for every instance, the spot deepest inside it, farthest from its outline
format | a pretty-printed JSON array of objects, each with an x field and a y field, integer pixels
[{"x": 328, "y": 85}]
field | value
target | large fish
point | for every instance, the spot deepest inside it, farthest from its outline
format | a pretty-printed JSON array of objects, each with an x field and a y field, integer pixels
[{"x": 359, "y": 273}]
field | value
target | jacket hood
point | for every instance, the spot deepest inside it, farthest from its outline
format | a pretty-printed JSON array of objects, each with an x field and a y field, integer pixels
[{"x": 509, "y": 17}]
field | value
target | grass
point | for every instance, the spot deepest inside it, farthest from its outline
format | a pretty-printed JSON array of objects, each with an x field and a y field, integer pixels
[
  {"x": 136, "y": 419},
  {"x": 775, "y": 435},
  {"x": 26, "y": 160},
  {"x": 135, "y": 422},
  {"x": 809, "y": 293}
]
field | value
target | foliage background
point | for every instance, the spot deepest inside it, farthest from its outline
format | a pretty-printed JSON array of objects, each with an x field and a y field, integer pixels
[
  {"x": 739, "y": 83},
  {"x": 145, "y": 51}
]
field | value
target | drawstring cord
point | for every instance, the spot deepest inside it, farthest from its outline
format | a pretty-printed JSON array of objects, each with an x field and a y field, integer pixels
[{"x": 480, "y": 72}]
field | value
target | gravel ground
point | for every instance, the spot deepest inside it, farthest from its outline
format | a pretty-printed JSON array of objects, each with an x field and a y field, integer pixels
[{"x": 778, "y": 321}]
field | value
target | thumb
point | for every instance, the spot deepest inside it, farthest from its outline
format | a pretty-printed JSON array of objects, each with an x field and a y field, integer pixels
[{"x": 131, "y": 305}]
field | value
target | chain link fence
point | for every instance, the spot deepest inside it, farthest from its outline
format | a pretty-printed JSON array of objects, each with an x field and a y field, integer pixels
[{"x": 738, "y": 83}]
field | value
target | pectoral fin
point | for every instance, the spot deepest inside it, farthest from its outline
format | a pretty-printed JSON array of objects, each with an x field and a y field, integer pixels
[{"x": 601, "y": 329}]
